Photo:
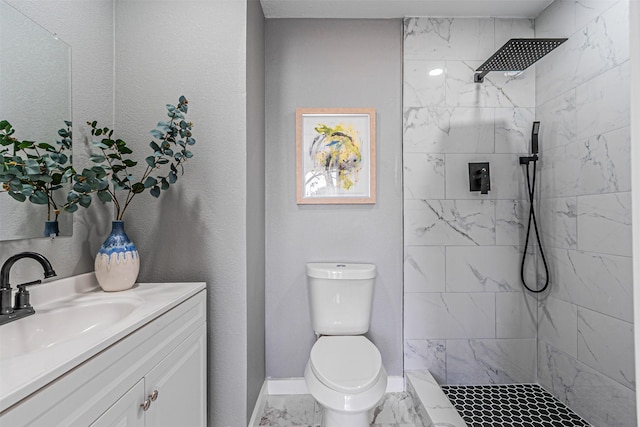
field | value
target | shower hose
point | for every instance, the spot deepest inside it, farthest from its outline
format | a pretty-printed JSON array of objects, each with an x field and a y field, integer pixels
[{"x": 531, "y": 185}]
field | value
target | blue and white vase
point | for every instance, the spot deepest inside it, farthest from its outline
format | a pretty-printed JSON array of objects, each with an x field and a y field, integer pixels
[
  {"x": 117, "y": 262},
  {"x": 51, "y": 229}
]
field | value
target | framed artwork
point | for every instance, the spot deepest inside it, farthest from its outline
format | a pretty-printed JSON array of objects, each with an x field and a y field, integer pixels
[{"x": 336, "y": 155}]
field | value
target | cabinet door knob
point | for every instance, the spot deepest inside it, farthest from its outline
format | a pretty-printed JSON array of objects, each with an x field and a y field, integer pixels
[
  {"x": 145, "y": 405},
  {"x": 154, "y": 395}
]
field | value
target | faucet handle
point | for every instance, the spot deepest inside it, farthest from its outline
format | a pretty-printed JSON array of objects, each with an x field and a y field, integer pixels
[{"x": 22, "y": 296}]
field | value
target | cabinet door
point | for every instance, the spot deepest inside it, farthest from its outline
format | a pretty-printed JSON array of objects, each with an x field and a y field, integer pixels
[
  {"x": 126, "y": 412},
  {"x": 180, "y": 381}
]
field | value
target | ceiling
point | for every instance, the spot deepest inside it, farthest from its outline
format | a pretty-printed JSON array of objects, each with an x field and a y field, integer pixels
[{"x": 380, "y": 9}]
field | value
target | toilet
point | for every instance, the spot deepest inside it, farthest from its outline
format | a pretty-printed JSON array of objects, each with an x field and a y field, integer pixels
[{"x": 344, "y": 372}]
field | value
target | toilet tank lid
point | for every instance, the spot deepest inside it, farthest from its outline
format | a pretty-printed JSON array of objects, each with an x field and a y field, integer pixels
[{"x": 340, "y": 270}]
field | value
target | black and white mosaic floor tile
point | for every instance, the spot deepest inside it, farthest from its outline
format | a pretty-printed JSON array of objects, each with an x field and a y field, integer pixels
[{"x": 512, "y": 405}]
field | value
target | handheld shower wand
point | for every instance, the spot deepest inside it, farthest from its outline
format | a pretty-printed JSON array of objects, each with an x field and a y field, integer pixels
[{"x": 531, "y": 185}]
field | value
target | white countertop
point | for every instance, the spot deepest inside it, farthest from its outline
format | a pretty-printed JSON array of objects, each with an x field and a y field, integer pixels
[{"x": 21, "y": 375}]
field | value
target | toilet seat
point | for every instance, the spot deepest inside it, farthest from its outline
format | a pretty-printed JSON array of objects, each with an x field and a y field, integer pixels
[{"x": 348, "y": 364}]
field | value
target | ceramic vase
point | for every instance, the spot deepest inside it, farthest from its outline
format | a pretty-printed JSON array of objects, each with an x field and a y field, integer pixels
[
  {"x": 51, "y": 229},
  {"x": 117, "y": 262}
]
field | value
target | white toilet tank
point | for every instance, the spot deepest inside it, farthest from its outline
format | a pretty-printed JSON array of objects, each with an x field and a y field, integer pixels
[{"x": 340, "y": 296}]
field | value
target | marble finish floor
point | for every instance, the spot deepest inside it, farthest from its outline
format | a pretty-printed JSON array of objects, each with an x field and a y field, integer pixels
[{"x": 395, "y": 410}]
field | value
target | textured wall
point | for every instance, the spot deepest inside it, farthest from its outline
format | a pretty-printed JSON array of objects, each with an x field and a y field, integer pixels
[
  {"x": 331, "y": 63},
  {"x": 466, "y": 317},
  {"x": 88, "y": 28},
  {"x": 585, "y": 327},
  {"x": 198, "y": 229}
]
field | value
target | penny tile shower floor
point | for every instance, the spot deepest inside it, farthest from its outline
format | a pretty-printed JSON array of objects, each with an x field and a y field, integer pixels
[
  {"x": 395, "y": 410},
  {"x": 515, "y": 405}
]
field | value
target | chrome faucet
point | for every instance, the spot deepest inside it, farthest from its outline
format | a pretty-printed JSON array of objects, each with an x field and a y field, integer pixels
[{"x": 22, "y": 307}]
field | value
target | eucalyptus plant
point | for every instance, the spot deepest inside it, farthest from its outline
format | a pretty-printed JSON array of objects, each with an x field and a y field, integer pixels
[
  {"x": 35, "y": 170},
  {"x": 113, "y": 171}
]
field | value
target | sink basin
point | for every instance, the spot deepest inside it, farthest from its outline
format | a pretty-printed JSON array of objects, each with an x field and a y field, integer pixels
[{"x": 49, "y": 327}]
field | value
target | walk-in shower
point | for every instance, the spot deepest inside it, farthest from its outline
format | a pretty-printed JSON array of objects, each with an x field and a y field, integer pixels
[{"x": 516, "y": 55}]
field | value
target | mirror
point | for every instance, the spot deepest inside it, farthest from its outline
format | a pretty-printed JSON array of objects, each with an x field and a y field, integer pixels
[{"x": 35, "y": 97}]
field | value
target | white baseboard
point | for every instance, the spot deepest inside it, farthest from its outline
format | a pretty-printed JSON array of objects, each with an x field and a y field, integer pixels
[
  {"x": 279, "y": 386},
  {"x": 258, "y": 409}
]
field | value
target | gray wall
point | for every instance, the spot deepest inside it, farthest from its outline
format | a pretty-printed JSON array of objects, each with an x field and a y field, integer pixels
[
  {"x": 88, "y": 28},
  {"x": 331, "y": 63},
  {"x": 199, "y": 230},
  {"x": 255, "y": 202},
  {"x": 585, "y": 331}
]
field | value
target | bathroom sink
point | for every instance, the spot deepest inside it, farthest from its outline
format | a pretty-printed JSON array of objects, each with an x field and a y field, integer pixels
[{"x": 62, "y": 322}]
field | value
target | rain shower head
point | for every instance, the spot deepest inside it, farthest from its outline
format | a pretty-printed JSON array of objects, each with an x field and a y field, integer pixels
[{"x": 516, "y": 55}]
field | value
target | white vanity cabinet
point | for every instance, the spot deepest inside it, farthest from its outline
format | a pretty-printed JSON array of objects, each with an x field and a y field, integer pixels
[{"x": 160, "y": 366}]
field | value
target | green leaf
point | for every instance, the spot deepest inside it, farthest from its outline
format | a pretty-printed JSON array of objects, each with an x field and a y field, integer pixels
[
  {"x": 173, "y": 177},
  {"x": 104, "y": 196},
  {"x": 150, "y": 182},
  {"x": 155, "y": 191},
  {"x": 151, "y": 161},
  {"x": 70, "y": 208},
  {"x": 81, "y": 187},
  {"x": 46, "y": 146},
  {"x": 130, "y": 163},
  {"x": 97, "y": 158},
  {"x": 18, "y": 196},
  {"x": 137, "y": 188},
  {"x": 164, "y": 184},
  {"x": 154, "y": 146},
  {"x": 39, "y": 197},
  {"x": 157, "y": 134},
  {"x": 85, "y": 200}
]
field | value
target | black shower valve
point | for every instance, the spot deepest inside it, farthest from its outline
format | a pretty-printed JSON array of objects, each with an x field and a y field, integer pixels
[{"x": 479, "y": 177}]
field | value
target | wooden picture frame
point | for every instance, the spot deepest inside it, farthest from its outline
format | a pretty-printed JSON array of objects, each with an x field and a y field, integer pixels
[{"x": 335, "y": 155}]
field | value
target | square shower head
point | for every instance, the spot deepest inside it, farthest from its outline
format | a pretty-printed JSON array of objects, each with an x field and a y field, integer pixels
[{"x": 517, "y": 55}]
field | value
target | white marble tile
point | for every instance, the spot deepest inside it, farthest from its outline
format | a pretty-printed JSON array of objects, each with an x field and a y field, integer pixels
[
  {"x": 513, "y": 130},
  {"x": 449, "y": 315},
  {"x": 492, "y": 361},
  {"x": 598, "y": 399},
  {"x": 511, "y": 216},
  {"x": 558, "y": 325},
  {"x": 506, "y": 174},
  {"x": 448, "y": 130},
  {"x": 420, "y": 89},
  {"x": 428, "y": 355},
  {"x": 600, "y": 282},
  {"x": 449, "y": 222},
  {"x": 557, "y": 119},
  {"x": 588, "y": 10},
  {"x": 423, "y": 176},
  {"x": 395, "y": 409},
  {"x": 557, "y": 20},
  {"x": 512, "y": 28},
  {"x": 604, "y": 223},
  {"x": 291, "y": 410},
  {"x": 424, "y": 389},
  {"x": 448, "y": 38},
  {"x": 603, "y": 103},
  {"x": 424, "y": 269},
  {"x": 497, "y": 90},
  {"x": 606, "y": 345},
  {"x": 558, "y": 220},
  {"x": 596, "y": 165},
  {"x": 516, "y": 314},
  {"x": 483, "y": 268}
]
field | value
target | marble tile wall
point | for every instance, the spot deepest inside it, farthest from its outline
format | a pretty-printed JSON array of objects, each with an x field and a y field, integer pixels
[
  {"x": 465, "y": 315},
  {"x": 585, "y": 330}
]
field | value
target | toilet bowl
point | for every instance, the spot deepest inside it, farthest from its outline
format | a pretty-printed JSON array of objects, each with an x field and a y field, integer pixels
[
  {"x": 346, "y": 377},
  {"x": 344, "y": 372}
]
